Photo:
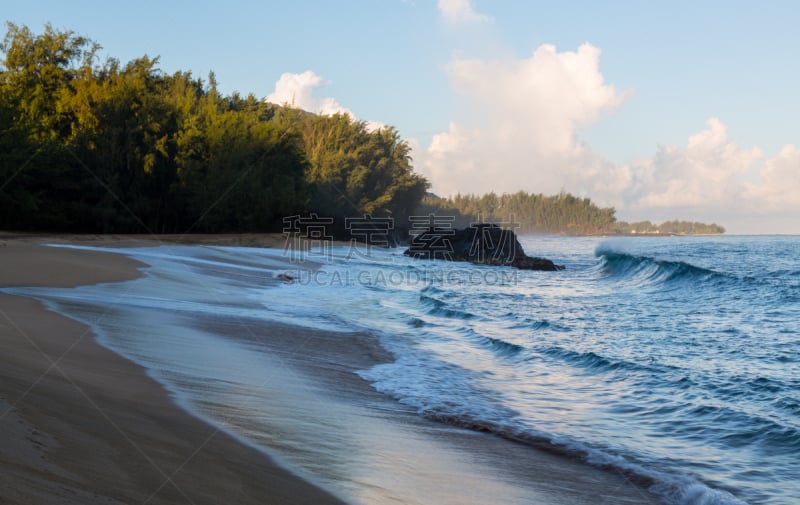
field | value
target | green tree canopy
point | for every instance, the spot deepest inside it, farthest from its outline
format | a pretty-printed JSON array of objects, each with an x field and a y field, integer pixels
[
  {"x": 112, "y": 147},
  {"x": 562, "y": 213},
  {"x": 354, "y": 171}
]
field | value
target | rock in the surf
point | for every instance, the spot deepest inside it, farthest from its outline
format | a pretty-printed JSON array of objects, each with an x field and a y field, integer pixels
[{"x": 483, "y": 244}]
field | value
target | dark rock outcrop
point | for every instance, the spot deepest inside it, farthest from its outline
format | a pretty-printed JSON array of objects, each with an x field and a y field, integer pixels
[{"x": 484, "y": 244}]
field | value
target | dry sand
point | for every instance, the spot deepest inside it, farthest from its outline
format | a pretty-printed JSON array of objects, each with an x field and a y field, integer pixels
[{"x": 79, "y": 424}]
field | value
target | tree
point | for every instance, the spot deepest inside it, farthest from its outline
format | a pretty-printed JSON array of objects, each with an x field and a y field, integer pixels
[
  {"x": 353, "y": 171},
  {"x": 245, "y": 174},
  {"x": 37, "y": 70}
]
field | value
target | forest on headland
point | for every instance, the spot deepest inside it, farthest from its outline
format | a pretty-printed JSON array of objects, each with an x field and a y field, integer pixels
[
  {"x": 562, "y": 213},
  {"x": 107, "y": 147}
]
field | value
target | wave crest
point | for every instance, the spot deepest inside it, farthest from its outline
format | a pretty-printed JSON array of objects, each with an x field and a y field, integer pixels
[{"x": 646, "y": 270}]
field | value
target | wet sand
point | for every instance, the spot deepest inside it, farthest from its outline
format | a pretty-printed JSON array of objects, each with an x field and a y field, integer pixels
[
  {"x": 453, "y": 465},
  {"x": 79, "y": 424}
]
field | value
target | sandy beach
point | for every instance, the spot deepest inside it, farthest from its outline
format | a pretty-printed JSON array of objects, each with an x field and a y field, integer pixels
[{"x": 80, "y": 424}]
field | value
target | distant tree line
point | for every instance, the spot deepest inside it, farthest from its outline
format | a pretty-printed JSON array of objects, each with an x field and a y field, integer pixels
[
  {"x": 668, "y": 228},
  {"x": 112, "y": 147},
  {"x": 562, "y": 214}
]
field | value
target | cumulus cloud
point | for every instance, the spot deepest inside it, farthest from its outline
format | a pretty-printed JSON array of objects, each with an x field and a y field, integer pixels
[
  {"x": 460, "y": 12},
  {"x": 779, "y": 188},
  {"x": 529, "y": 111},
  {"x": 706, "y": 174},
  {"x": 297, "y": 90},
  {"x": 713, "y": 179}
]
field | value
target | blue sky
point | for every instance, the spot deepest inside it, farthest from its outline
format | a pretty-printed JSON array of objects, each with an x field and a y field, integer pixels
[{"x": 597, "y": 98}]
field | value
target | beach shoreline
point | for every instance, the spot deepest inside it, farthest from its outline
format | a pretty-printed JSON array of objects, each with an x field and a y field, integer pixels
[
  {"x": 149, "y": 423},
  {"x": 81, "y": 424}
]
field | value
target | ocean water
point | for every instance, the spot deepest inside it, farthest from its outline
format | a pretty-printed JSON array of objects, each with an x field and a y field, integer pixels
[{"x": 672, "y": 360}]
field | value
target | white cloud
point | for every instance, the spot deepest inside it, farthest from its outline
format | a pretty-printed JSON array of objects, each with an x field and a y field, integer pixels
[
  {"x": 529, "y": 110},
  {"x": 706, "y": 175},
  {"x": 713, "y": 179},
  {"x": 460, "y": 12},
  {"x": 297, "y": 90},
  {"x": 779, "y": 189}
]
